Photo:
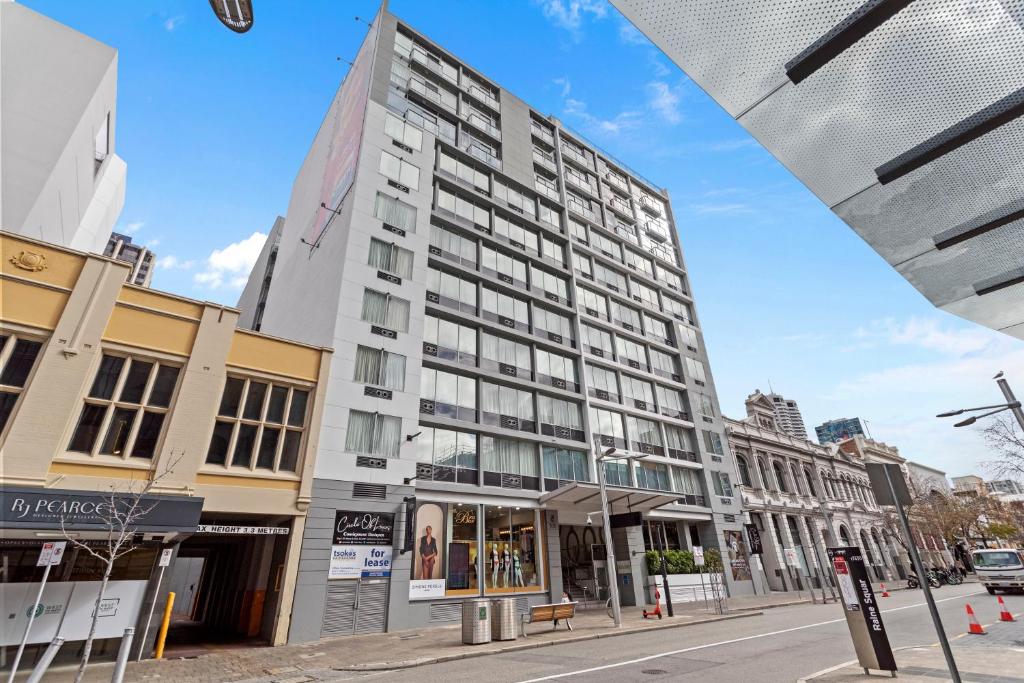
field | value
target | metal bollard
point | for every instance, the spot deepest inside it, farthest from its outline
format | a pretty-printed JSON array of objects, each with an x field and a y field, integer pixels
[
  {"x": 122, "y": 655},
  {"x": 44, "y": 662}
]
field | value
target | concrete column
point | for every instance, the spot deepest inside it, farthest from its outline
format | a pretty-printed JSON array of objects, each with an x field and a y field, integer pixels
[
  {"x": 789, "y": 542},
  {"x": 627, "y": 540},
  {"x": 553, "y": 550}
]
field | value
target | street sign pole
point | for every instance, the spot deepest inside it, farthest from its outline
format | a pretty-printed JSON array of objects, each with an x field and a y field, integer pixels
[
  {"x": 923, "y": 578},
  {"x": 50, "y": 555},
  {"x": 165, "y": 559}
]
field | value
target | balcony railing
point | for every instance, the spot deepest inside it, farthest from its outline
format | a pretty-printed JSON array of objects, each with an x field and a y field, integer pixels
[
  {"x": 481, "y": 94},
  {"x": 433, "y": 63},
  {"x": 580, "y": 183},
  {"x": 547, "y": 191},
  {"x": 577, "y": 156},
  {"x": 615, "y": 180},
  {"x": 650, "y": 205},
  {"x": 545, "y": 160},
  {"x": 419, "y": 87},
  {"x": 542, "y": 133},
  {"x": 483, "y": 124},
  {"x": 477, "y": 152}
]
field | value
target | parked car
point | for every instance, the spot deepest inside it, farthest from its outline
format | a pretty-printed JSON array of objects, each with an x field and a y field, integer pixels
[{"x": 999, "y": 569}]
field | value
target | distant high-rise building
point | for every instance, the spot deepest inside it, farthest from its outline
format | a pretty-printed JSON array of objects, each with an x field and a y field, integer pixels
[
  {"x": 142, "y": 259},
  {"x": 1008, "y": 486},
  {"x": 835, "y": 431},
  {"x": 62, "y": 182},
  {"x": 788, "y": 417}
]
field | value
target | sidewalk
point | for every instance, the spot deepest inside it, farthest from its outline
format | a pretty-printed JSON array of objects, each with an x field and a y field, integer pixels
[{"x": 378, "y": 652}]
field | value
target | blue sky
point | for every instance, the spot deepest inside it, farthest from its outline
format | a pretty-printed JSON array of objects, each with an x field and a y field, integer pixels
[{"x": 214, "y": 126}]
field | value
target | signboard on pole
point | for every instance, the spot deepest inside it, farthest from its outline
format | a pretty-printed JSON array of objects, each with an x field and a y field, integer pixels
[
  {"x": 754, "y": 537},
  {"x": 792, "y": 559},
  {"x": 863, "y": 616},
  {"x": 698, "y": 556},
  {"x": 880, "y": 485},
  {"x": 51, "y": 554},
  {"x": 165, "y": 556}
]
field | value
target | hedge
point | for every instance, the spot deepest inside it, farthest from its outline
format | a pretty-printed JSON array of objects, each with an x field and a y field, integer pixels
[{"x": 681, "y": 562}]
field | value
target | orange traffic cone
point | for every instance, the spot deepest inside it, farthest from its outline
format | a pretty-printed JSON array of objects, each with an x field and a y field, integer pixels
[
  {"x": 1004, "y": 614},
  {"x": 885, "y": 593},
  {"x": 973, "y": 626}
]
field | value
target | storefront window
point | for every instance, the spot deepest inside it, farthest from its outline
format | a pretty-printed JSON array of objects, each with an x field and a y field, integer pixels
[
  {"x": 462, "y": 550},
  {"x": 512, "y": 550}
]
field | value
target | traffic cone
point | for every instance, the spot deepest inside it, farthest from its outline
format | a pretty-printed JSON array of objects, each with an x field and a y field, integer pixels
[
  {"x": 1004, "y": 614},
  {"x": 973, "y": 627},
  {"x": 885, "y": 593}
]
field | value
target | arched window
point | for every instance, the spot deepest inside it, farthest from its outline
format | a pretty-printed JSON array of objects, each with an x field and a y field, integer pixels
[
  {"x": 741, "y": 463},
  {"x": 811, "y": 488},
  {"x": 797, "y": 487},
  {"x": 844, "y": 535},
  {"x": 766, "y": 482},
  {"x": 780, "y": 476}
]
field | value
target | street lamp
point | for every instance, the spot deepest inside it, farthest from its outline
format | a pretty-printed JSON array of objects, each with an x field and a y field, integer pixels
[
  {"x": 1012, "y": 404},
  {"x": 613, "y": 579}
]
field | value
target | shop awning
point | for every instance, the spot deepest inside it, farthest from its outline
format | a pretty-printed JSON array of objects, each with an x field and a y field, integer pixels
[{"x": 585, "y": 497}]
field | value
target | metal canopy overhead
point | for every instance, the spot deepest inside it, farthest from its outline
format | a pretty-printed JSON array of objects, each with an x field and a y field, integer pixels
[
  {"x": 906, "y": 117},
  {"x": 585, "y": 497}
]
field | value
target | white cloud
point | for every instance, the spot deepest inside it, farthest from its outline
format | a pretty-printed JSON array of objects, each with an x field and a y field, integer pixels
[
  {"x": 664, "y": 100},
  {"x": 625, "y": 120},
  {"x": 725, "y": 208},
  {"x": 630, "y": 35},
  {"x": 565, "y": 85},
  {"x": 153, "y": 243},
  {"x": 230, "y": 266},
  {"x": 132, "y": 228},
  {"x": 570, "y": 14},
  {"x": 174, "y": 263},
  {"x": 174, "y": 22}
]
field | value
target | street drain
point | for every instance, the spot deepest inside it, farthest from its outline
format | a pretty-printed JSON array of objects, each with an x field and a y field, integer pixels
[
  {"x": 654, "y": 672},
  {"x": 410, "y": 636}
]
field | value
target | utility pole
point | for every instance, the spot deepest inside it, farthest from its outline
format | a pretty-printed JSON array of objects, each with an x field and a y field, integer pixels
[{"x": 1011, "y": 400}]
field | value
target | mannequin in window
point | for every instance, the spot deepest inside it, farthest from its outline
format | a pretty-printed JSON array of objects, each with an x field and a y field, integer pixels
[
  {"x": 495, "y": 559},
  {"x": 517, "y": 569},
  {"x": 506, "y": 564}
]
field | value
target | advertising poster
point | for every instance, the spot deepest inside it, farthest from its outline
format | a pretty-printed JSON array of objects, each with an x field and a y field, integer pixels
[
  {"x": 754, "y": 535},
  {"x": 359, "y": 561},
  {"x": 362, "y": 544},
  {"x": 737, "y": 551},
  {"x": 863, "y": 615},
  {"x": 428, "y": 551}
]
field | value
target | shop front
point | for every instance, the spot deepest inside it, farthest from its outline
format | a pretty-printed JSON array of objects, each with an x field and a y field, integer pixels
[{"x": 31, "y": 517}]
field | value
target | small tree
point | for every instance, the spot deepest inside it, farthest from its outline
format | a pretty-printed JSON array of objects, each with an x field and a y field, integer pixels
[
  {"x": 1006, "y": 438},
  {"x": 1003, "y": 530},
  {"x": 121, "y": 513}
]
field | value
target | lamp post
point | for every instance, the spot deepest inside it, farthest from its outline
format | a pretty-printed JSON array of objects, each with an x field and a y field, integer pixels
[
  {"x": 613, "y": 579},
  {"x": 1012, "y": 404}
]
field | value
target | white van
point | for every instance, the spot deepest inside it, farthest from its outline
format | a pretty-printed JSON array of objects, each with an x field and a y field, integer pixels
[{"x": 1000, "y": 569}]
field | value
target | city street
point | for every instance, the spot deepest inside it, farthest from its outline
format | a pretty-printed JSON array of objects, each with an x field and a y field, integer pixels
[{"x": 785, "y": 644}]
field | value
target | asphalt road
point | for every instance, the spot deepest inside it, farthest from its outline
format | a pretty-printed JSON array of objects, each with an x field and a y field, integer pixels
[{"x": 784, "y": 644}]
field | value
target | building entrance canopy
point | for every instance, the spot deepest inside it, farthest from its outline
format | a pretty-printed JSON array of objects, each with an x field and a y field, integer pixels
[{"x": 582, "y": 496}]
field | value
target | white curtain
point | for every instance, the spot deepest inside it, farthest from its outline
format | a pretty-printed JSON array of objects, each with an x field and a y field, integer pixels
[
  {"x": 397, "y": 317},
  {"x": 395, "y": 212},
  {"x": 359, "y": 438},
  {"x": 490, "y": 394},
  {"x": 367, "y": 365},
  {"x": 402, "y": 264},
  {"x": 388, "y": 434},
  {"x": 375, "y": 307},
  {"x": 393, "y": 375},
  {"x": 380, "y": 254},
  {"x": 509, "y": 456}
]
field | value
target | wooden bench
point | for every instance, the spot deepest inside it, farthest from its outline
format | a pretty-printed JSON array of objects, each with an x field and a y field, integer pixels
[{"x": 552, "y": 613}]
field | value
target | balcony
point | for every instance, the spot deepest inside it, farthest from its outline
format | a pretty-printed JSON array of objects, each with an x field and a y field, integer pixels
[
  {"x": 621, "y": 207},
  {"x": 545, "y": 160},
  {"x": 547, "y": 191},
  {"x": 431, "y": 95},
  {"x": 580, "y": 183},
  {"x": 433, "y": 63},
  {"x": 542, "y": 133},
  {"x": 481, "y": 94},
  {"x": 616, "y": 181},
  {"x": 481, "y": 123},
  {"x": 577, "y": 156},
  {"x": 475, "y": 150},
  {"x": 650, "y": 205}
]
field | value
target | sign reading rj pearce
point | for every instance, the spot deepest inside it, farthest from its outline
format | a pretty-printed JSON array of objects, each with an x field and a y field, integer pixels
[{"x": 38, "y": 508}]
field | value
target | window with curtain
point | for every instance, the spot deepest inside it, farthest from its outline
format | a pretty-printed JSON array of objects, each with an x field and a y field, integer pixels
[
  {"x": 652, "y": 476},
  {"x": 505, "y": 356},
  {"x": 515, "y": 198},
  {"x": 399, "y": 170},
  {"x": 563, "y": 464},
  {"x": 447, "y": 394},
  {"x": 553, "y": 250},
  {"x": 603, "y": 383},
  {"x": 449, "y": 340},
  {"x": 592, "y": 303},
  {"x": 516, "y": 234},
  {"x": 509, "y": 456},
  {"x": 403, "y": 132},
  {"x": 553, "y": 326},
  {"x": 679, "y": 443},
  {"x": 638, "y": 393},
  {"x": 648, "y": 295},
  {"x": 610, "y": 248},
  {"x": 582, "y": 265},
  {"x": 465, "y": 172},
  {"x": 706, "y": 404},
  {"x": 607, "y": 427},
  {"x": 453, "y": 246},
  {"x": 380, "y": 308},
  {"x": 695, "y": 369},
  {"x": 631, "y": 353},
  {"x": 612, "y": 279},
  {"x": 640, "y": 263},
  {"x": 390, "y": 258},
  {"x": 550, "y": 215},
  {"x": 578, "y": 231},
  {"x": 395, "y": 212},
  {"x": 373, "y": 434},
  {"x": 451, "y": 291},
  {"x": 451, "y": 455},
  {"x": 467, "y": 209},
  {"x": 557, "y": 370},
  {"x": 503, "y": 266},
  {"x": 664, "y": 364},
  {"x": 713, "y": 442},
  {"x": 687, "y": 482},
  {"x": 625, "y": 316},
  {"x": 723, "y": 487},
  {"x": 507, "y": 407},
  {"x": 644, "y": 435},
  {"x": 671, "y": 403},
  {"x": 380, "y": 368},
  {"x": 597, "y": 341},
  {"x": 670, "y": 279},
  {"x": 507, "y": 310},
  {"x": 560, "y": 418},
  {"x": 688, "y": 335},
  {"x": 677, "y": 308},
  {"x": 616, "y": 472},
  {"x": 656, "y": 328},
  {"x": 549, "y": 284}
]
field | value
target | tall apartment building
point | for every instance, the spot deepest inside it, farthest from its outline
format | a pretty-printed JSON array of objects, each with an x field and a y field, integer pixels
[
  {"x": 140, "y": 258},
  {"x": 503, "y": 298},
  {"x": 787, "y": 416},
  {"x": 62, "y": 182},
  {"x": 1004, "y": 486},
  {"x": 835, "y": 431}
]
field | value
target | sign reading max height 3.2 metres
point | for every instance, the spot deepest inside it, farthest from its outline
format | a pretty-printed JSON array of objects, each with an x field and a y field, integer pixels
[{"x": 362, "y": 544}]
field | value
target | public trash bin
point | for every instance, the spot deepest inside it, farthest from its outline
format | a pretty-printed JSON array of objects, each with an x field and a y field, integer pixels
[
  {"x": 476, "y": 622},
  {"x": 503, "y": 619}
]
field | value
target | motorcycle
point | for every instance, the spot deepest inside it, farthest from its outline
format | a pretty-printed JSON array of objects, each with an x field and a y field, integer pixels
[
  {"x": 945, "y": 576},
  {"x": 914, "y": 582}
]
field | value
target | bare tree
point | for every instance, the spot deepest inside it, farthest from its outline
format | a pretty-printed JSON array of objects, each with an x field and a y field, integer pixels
[
  {"x": 1005, "y": 437},
  {"x": 120, "y": 513}
]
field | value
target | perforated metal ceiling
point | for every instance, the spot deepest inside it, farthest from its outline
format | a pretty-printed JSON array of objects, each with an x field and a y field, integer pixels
[{"x": 923, "y": 70}]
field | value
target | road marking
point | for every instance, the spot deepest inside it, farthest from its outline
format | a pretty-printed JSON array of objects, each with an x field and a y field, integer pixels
[{"x": 724, "y": 642}]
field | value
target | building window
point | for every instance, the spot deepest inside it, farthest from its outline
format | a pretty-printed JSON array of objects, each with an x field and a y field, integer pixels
[
  {"x": 509, "y": 457},
  {"x": 451, "y": 291},
  {"x": 602, "y": 384},
  {"x": 581, "y": 264},
  {"x": 797, "y": 486},
  {"x": 679, "y": 442},
  {"x": 390, "y": 258},
  {"x": 616, "y": 472},
  {"x": 713, "y": 442},
  {"x": 395, "y": 212},
  {"x": 657, "y": 329},
  {"x": 507, "y": 310},
  {"x": 507, "y": 407},
  {"x": 517, "y": 235},
  {"x": 403, "y": 132},
  {"x": 512, "y": 550},
  {"x": 127, "y": 403},
  {"x": 607, "y": 428},
  {"x": 741, "y": 464},
  {"x": 638, "y": 393},
  {"x": 514, "y": 198},
  {"x": 597, "y": 341},
  {"x": 688, "y": 335},
  {"x": 380, "y": 308},
  {"x": 550, "y": 324},
  {"x": 626, "y": 316},
  {"x": 560, "y": 418},
  {"x": 809, "y": 478},
  {"x": 612, "y": 279},
  {"x": 557, "y": 370},
  {"x": 631, "y": 353},
  {"x": 723, "y": 487},
  {"x": 665, "y": 365},
  {"x": 766, "y": 482},
  {"x": 578, "y": 231},
  {"x": 505, "y": 356},
  {"x": 550, "y": 284},
  {"x": 652, "y": 476},
  {"x": 17, "y": 358},
  {"x": 696, "y": 371},
  {"x": 592, "y": 303},
  {"x": 671, "y": 403},
  {"x": 453, "y": 246},
  {"x": 464, "y": 172},
  {"x": 502, "y": 266},
  {"x": 449, "y": 341},
  {"x": 379, "y": 368},
  {"x": 553, "y": 250},
  {"x": 269, "y": 425},
  {"x": 446, "y": 394},
  {"x": 451, "y": 455},
  {"x": 550, "y": 216},
  {"x": 645, "y": 435},
  {"x": 562, "y": 464},
  {"x": 780, "y": 476},
  {"x": 373, "y": 434},
  {"x": 399, "y": 170},
  {"x": 687, "y": 482}
]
